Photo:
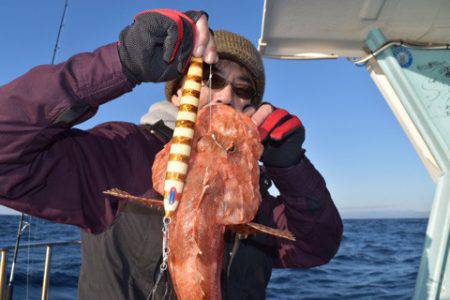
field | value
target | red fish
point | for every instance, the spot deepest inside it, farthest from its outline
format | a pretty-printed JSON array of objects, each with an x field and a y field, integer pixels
[{"x": 221, "y": 191}]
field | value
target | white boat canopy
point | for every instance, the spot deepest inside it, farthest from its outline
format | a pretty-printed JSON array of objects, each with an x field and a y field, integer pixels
[
  {"x": 301, "y": 29},
  {"x": 407, "y": 53}
]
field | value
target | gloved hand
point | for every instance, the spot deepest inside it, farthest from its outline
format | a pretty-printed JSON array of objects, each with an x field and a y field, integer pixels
[
  {"x": 158, "y": 45},
  {"x": 282, "y": 135}
]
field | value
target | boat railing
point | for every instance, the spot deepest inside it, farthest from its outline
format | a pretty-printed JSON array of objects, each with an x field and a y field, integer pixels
[{"x": 46, "y": 276}]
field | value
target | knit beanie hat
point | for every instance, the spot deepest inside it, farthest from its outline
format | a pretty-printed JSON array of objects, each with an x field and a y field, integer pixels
[{"x": 238, "y": 49}]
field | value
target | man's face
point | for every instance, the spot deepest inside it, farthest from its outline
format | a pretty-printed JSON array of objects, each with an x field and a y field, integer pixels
[{"x": 235, "y": 84}]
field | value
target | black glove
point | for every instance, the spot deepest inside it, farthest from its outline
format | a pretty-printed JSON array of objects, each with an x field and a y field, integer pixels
[
  {"x": 158, "y": 45},
  {"x": 282, "y": 135}
]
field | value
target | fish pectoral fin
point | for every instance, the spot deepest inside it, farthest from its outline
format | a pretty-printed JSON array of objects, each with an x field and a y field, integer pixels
[
  {"x": 127, "y": 196},
  {"x": 202, "y": 195},
  {"x": 252, "y": 228}
]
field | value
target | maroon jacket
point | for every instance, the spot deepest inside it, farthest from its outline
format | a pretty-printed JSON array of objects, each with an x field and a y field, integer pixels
[{"x": 50, "y": 170}]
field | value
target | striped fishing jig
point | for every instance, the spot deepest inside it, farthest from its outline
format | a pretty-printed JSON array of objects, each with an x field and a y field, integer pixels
[
  {"x": 180, "y": 151},
  {"x": 181, "y": 143}
]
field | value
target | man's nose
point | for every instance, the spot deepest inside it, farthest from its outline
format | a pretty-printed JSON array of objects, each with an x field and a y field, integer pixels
[{"x": 226, "y": 95}]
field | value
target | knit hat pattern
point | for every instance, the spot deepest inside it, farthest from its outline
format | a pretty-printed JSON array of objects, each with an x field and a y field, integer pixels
[{"x": 240, "y": 50}]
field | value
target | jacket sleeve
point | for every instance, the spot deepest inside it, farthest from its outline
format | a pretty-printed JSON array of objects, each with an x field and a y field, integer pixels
[
  {"x": 48, "y": 169},
  {"x": 304, "y": 207}
]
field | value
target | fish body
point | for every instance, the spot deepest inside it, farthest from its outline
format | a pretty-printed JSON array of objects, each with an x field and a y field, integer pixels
[{"x": 221, "y": 189}]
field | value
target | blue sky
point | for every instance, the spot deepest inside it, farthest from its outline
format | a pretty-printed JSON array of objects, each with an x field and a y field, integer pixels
[{"x": 351, "y": 135}]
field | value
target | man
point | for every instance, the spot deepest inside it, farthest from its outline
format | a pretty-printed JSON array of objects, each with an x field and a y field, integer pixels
[{"x": 51, "y": 170}]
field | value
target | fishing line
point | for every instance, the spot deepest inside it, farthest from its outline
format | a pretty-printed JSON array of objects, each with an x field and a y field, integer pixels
[
  {"x": 210, "y": 96},
  {"x": 28, "y": 257},
  {"x": 213, "y": 136},
  {"x": 58, "y": 37}
]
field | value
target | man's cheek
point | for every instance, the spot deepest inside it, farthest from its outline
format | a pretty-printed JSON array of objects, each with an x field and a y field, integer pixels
[{"x": 204, "y": 97}]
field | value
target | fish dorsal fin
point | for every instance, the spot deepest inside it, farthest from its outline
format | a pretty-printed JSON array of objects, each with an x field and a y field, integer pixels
[
  {"x": 122, "y": 195},
  {"x": 252, "y": 228}
]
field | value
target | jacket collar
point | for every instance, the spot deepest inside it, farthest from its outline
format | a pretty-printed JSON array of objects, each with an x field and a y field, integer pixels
[
  {"x": 160, "y": 120},
  {"x": 163, "y": 111}
]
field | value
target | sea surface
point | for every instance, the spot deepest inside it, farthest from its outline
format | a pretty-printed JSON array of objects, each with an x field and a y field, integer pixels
[{"x": 378, "y": 259}]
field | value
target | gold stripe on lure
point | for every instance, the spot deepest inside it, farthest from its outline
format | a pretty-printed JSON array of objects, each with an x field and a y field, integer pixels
[
  {"x": 181, "y": 140},
  {"x": 188, "y": 107},
  {"x": 185, "y": 123},
  {"x": 179, "y": 157},
  {"x": 180, "y": 147},
  {"x": 175, "y": 176}
]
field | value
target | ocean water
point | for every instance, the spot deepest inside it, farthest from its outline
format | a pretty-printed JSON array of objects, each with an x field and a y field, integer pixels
[{"x": 378, "y": 259}]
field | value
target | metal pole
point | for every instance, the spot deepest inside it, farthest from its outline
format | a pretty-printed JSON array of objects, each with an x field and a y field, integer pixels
[
  {"x": 9, "y": 290},
  {"x": 46, "y": 278},
  {"x": 3, "y": 263}
]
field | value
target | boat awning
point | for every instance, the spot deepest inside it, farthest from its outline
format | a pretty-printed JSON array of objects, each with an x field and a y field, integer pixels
[
  {"x": 301, "y": 29},
  {"x": 415, "y": 82}
]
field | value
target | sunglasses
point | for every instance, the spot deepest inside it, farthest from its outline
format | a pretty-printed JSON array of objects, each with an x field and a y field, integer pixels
[{"x": 244, "y": 91}]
